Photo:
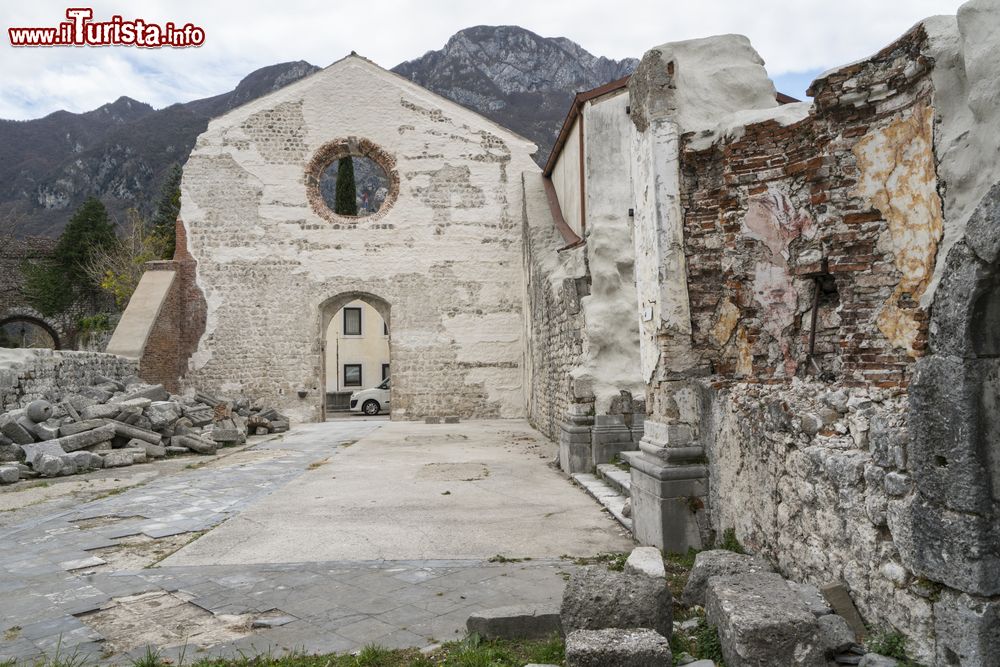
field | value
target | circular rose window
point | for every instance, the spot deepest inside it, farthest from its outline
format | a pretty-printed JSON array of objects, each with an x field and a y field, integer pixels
[{"x": 351, "y": 181}]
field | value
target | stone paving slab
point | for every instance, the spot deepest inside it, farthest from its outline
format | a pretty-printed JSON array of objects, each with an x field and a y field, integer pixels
[{"x": 333, "y": 605}]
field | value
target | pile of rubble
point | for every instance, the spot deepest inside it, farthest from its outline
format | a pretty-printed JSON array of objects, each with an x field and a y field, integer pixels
[{"x": 118, "y": 423}]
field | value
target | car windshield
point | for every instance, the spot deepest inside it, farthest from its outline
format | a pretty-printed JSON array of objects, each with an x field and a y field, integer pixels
[{"x": 384, "y": 385}]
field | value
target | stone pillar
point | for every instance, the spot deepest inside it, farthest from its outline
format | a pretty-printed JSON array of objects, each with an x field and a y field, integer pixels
[
  {"x": 669, "y": 489},
  {"x": 575, "y": 437}
]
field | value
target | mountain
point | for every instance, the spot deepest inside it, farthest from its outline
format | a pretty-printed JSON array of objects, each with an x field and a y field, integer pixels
[
  {"x": 121, "y": 152},
  {"x": 519, "y": 79}
]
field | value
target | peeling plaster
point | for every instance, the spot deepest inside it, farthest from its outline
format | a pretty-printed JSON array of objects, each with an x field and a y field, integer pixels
[{"x": 898, "y": 178}]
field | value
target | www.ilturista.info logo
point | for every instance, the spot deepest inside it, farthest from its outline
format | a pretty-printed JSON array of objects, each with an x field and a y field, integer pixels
[{"x": 80, "y": 30}]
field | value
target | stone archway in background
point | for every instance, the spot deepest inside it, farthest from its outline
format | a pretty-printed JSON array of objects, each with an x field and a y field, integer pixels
[
  {"x": 32, "y": 316},
  {"x": 327, "y": 311}
]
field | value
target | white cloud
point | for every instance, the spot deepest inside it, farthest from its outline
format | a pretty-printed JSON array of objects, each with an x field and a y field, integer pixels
[{"x": 791, "y": 36}]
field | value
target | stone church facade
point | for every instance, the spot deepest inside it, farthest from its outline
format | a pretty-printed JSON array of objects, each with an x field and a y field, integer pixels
[{"x": 784, "y": 316}]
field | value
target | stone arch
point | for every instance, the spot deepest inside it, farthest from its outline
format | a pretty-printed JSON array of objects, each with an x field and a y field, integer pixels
[
  {"x": 947, "y": 528},
  {"x": 25, "y": 314},
  {"x": 328, "y": 309}
]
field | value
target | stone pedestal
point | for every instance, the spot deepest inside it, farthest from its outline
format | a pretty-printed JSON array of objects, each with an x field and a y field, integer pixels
[
  {"x": 669, "y": 489},
  {"x": 575, "y": 439},
  {"x": 610, "y": 437}
]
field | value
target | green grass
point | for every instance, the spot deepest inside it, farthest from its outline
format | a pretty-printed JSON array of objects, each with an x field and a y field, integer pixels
[
  {"x": 614, "y": 561},
  {"x": 678, "y": 567},
  {"x": 892, "y": 644},
  {"x": 472, "y": 651},
  {"x": 730, "y": 543}
]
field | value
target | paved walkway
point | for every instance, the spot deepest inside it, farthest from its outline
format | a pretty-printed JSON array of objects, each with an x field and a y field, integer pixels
[{"x": 265, "y": 581}]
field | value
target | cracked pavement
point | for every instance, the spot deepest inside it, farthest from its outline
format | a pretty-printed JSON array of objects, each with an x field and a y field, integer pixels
[{"x": 334, "y": 536}]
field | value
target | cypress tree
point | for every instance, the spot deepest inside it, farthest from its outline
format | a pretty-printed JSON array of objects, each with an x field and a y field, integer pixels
[{"x": 347, "y": 194}]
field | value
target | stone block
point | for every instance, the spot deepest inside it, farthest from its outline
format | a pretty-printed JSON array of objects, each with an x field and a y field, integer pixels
[
  {"x": 515, "y": 622},
  {"x": 39, "y": 411},
  {"x": 667, "y": 502},
  {"x": 176, "y": 450},
  {"x": 47, "y": 465},
  {"x": 162, "y": 414},
  {"x": 597, "y": 598},
  {"x": 839, "y": 597},
  {"x": 967, "y": 629},
  {"x": 152, "y": 451},
  {"x": 762, "y": 622},
  {"x": 225, "y": 435},
  {"x": 84, "y": 460},
  {"x": 715, "y": 563},
  {"x": 9, "y": 474},
  {"x": 812, "y": 598},
  {"x": 646, "y": 561},
  {"x": 16, "y": 432},
  {"x": 876, "y": 660},
  {"x": 194, "y": 443},
  {"x": 451, "y": 420},
  {"x": 155, "y": 392},
  {"x": 834, "y": 635},
  {"x": 35, "y": 450},
  {"x": 279, "y": 426},
  {"x": 615, "y": 647},
  {"x": 432, "y": 420},
  {"x": 11, "y": 453},
  {"x": 71, "y": 443},
  {"x": 72, "y": 428},
  {"x": 261, "y": 430},
  {"x": 130, "y": 432},
  {"x": 100, "y": 411},
  {"x": 117, "y": 458},
  {"x": 44, "y": 430}
]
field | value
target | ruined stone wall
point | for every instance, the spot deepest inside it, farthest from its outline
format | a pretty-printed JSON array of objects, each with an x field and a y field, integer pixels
[
  {"x": 842, "y": 203},
  {"x": 833, "y": 215},
  {"x": 446, "y": 255},
  {"x": 553, "y": 318},
  {"x": 28, "y": 375}
]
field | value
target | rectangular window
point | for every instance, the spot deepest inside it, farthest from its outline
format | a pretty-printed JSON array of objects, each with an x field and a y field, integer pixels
[
  {"x": 352, "y": 375},
  {"x": 352, "y": 321},
  {"x": 385, "y": 371}
]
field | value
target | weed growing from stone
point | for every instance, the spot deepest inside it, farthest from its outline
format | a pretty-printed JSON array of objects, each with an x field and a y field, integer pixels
[
  {"x": 730, "y": 543},
  {"x": 892, "y": 644}
]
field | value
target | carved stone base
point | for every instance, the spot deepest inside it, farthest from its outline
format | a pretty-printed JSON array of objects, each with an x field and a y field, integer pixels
[{"x": 669, "y": 490}]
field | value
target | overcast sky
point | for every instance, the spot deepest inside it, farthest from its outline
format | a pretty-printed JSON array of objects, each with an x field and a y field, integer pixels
[{"x": 796, "y": 38}]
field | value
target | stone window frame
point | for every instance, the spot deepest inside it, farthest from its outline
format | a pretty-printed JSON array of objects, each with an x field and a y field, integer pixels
[
  {"x": 360, "y": 382},
  {"x": 343, "y": 147}
]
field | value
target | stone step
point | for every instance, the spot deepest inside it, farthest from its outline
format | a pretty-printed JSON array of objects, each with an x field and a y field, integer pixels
[
  {"x": 616, "y": 478},
  {"x": 607, "y": 496}
]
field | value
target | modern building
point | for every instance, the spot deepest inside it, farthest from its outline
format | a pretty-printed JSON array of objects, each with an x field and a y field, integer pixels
[{"x": 357, "y": 350}]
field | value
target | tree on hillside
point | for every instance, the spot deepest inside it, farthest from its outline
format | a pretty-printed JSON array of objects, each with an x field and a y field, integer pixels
[
  {"x": 347, "y": 193},
  {"x": 56, "y": 283},
  {"x": 168, "y": 208}
]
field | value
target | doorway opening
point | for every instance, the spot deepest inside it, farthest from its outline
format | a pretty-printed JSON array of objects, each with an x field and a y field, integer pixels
[
  {"x": 25, "y": 332},
  {"x": 356, "y": 358}
]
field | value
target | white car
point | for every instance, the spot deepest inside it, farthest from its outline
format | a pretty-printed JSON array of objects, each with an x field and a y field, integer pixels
[{"x": 371, "y": 401}]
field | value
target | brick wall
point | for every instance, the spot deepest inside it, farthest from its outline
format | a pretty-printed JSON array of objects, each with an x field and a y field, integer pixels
[{"x": 767, "y": 212}]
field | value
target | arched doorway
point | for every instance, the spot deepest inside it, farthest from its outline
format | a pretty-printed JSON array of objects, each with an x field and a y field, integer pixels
[
  {"x": 25, "y": 331},
  {"x": 355, "y": 353}
]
